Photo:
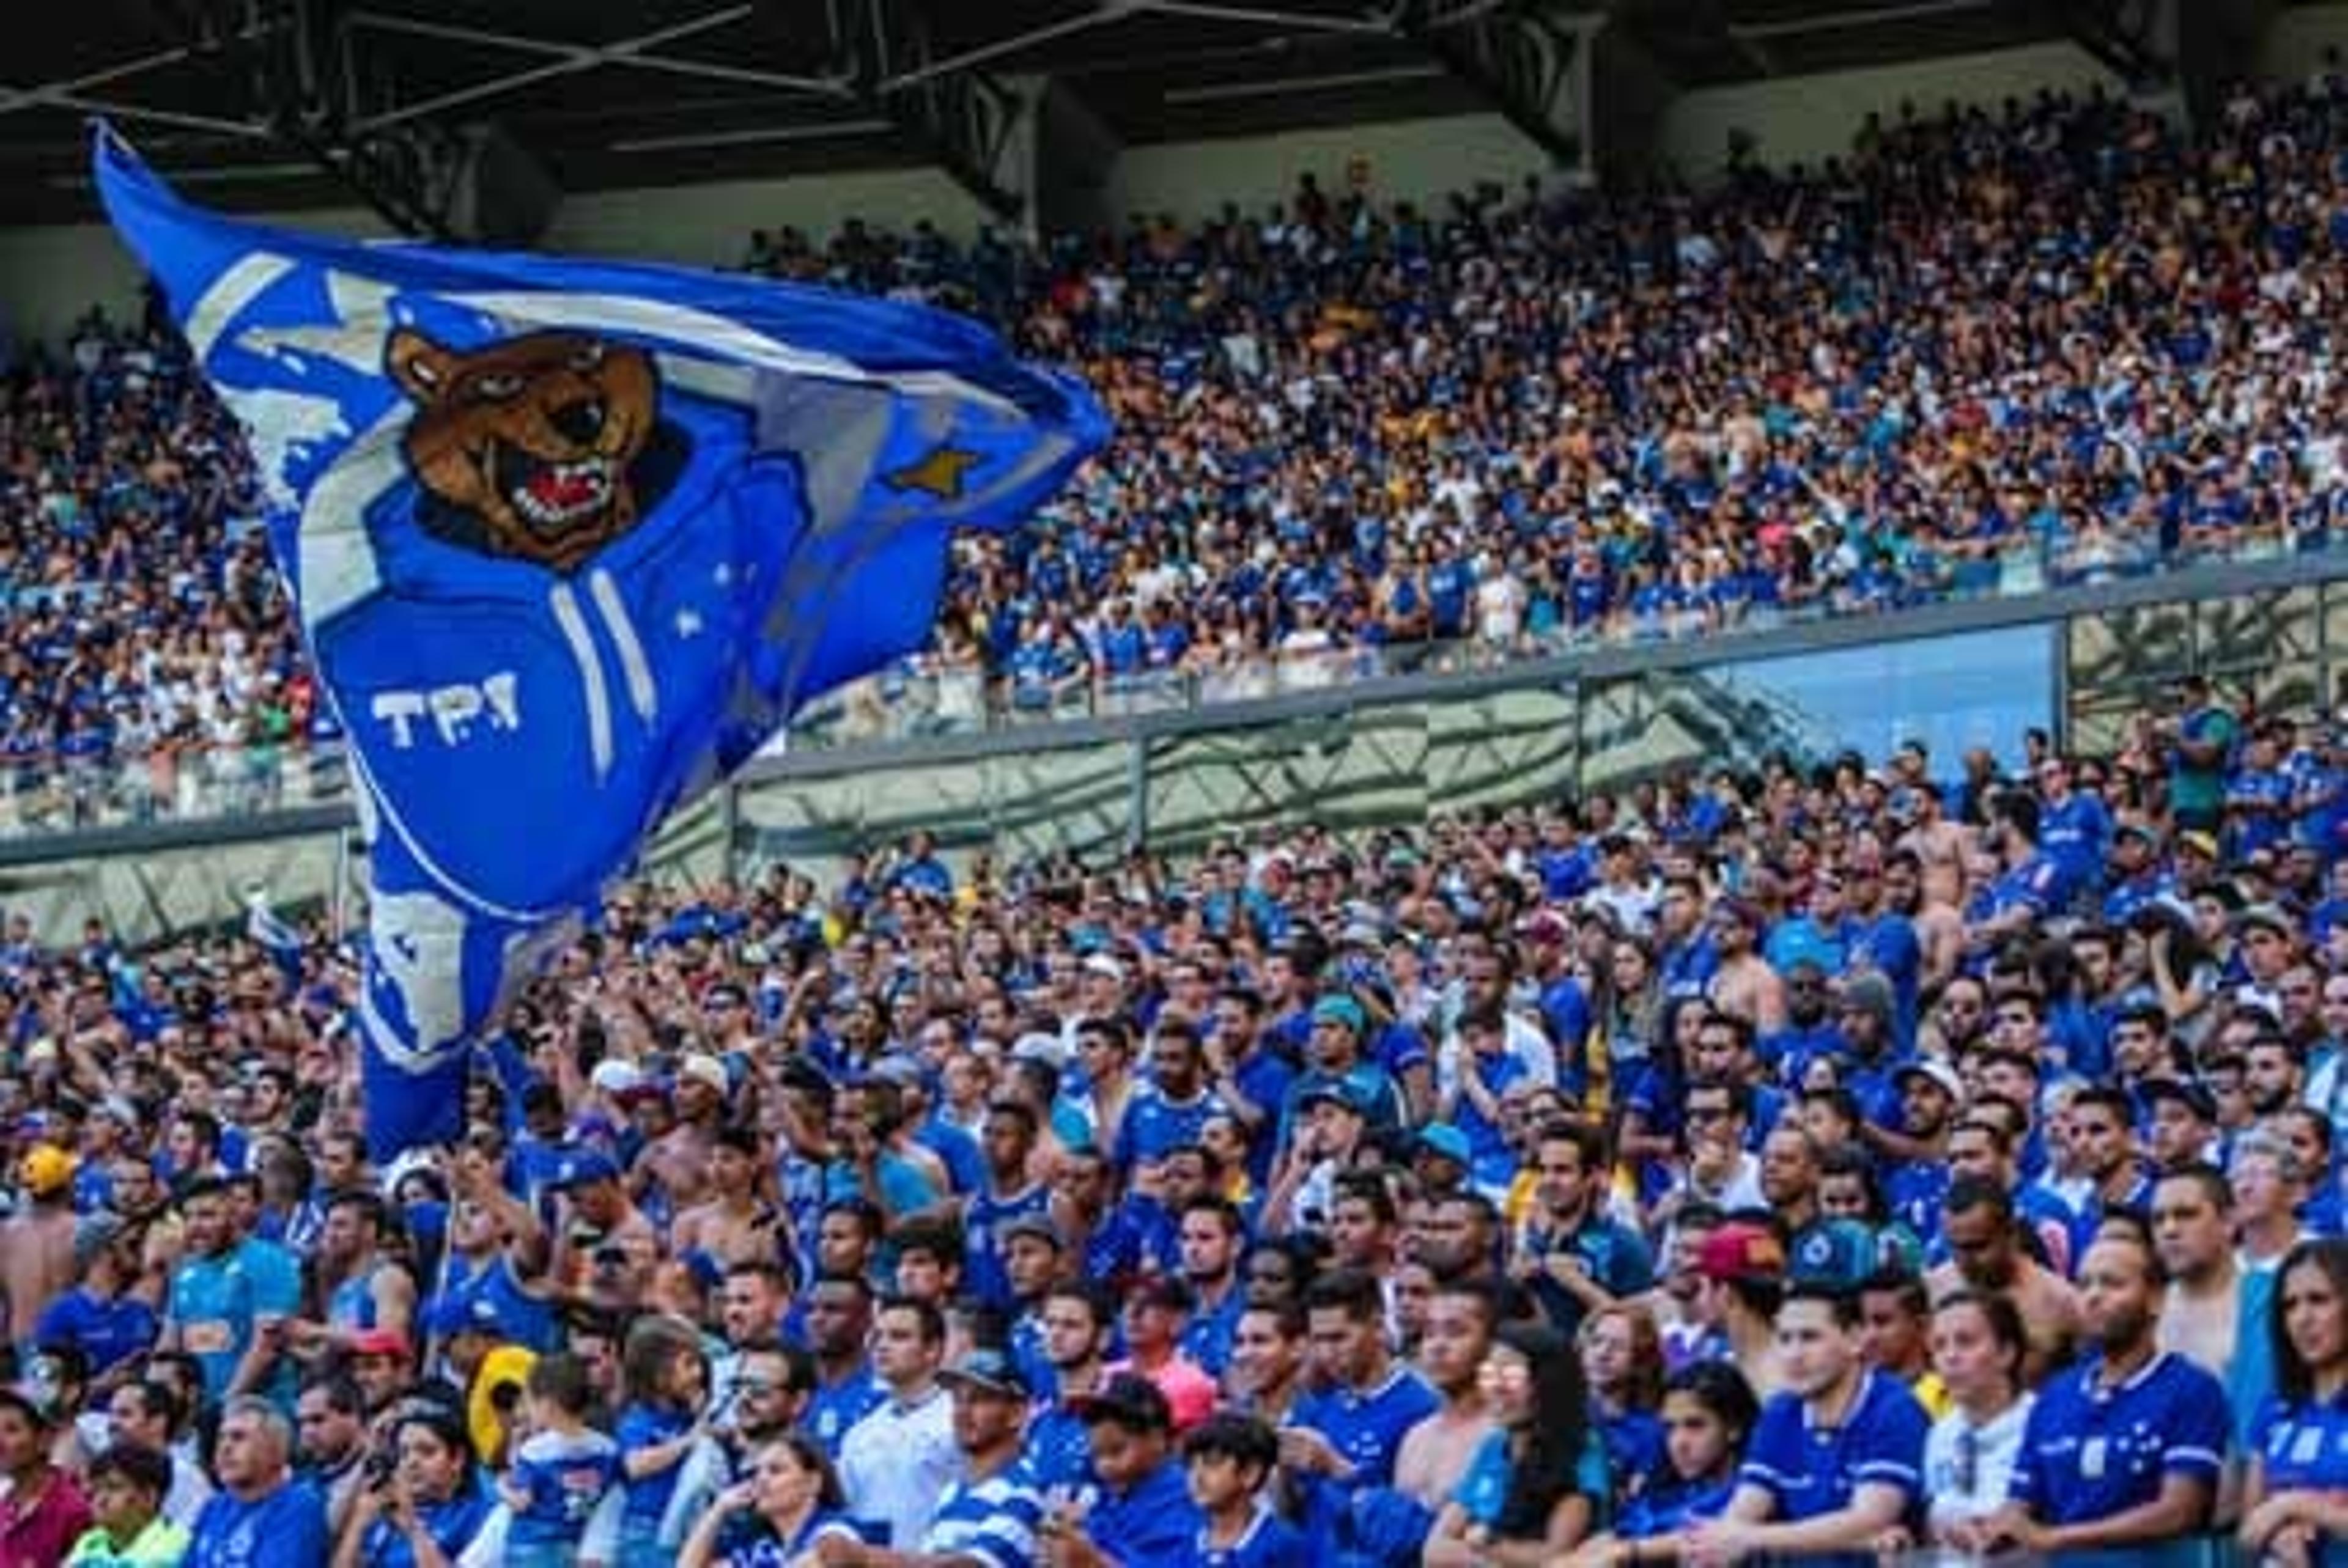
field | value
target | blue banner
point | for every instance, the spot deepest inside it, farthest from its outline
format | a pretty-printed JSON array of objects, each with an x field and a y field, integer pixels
[{"x": 570, "y": 541}]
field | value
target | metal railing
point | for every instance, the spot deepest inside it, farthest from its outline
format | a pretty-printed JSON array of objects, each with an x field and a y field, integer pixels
[{"x": 63, "y": 796}]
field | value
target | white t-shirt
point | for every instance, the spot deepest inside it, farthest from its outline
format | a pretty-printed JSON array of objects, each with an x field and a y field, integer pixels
[
  {"x": 1966, "y": 1468},
  {"x": 896, "y": 1462}
]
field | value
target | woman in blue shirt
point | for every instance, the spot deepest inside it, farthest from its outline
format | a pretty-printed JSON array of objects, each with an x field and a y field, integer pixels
[
  {"x": 1538, "y": 1481},
  {"x": 794, "y": 1497},
  {"x": 1709, "y": 1410},
  {"x": 2292, "y": 1506},
  {"x": 431, "y": 1506}
]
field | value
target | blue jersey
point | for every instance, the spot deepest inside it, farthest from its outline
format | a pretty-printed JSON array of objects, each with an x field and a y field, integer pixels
[
  {"x": 1267, "y": 1542},
  {"x": 985, "y": 1218},
  {"x": 1668, "y": 1507},
  {"x": 107, "y": 1332},
  {"x": 2075, "y": 837},
  {"x": 644, "y": 1427},
  {"x": 1368, "y": 1428},
  {"x": 217, "y": 1303},
  {"x": 1152, "y": 1525},
  {"x": 1059, "y": 1452},
  {"x": 2302, "y": 1445},
  {"x": 1153, "y": 1124},
  {"x": 2090, "y": 1453},
  {"x": 992, "y": 1521},
  {"x": 451, "y": 1526},
  {"x": 1809, "y": 1472},
  {"x": 1616, "y": 1258},
  {"x": 834, "y": 1408},
  {"x": 521, "y": 1317},
  {"x": 287, "y": 1529},
  {"x": 562, "y": 1480}
]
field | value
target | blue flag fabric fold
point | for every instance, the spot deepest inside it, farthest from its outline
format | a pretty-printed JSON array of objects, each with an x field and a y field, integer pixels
[{"x": 570, "y": 541}]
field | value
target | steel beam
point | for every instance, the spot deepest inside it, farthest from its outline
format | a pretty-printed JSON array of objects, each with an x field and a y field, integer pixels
[{"x": 1522, "y": 61}]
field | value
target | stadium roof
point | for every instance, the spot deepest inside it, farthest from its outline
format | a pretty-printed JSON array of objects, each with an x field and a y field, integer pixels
[{"x": 289, "y": 103}]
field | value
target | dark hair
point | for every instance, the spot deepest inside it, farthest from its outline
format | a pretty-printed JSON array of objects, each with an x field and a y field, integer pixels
[
  {"x": 1246, "y": 1441},
  {"x": 2005, "y": 1320},
  {"x": 1721, "y": 1389},
  {"x": 2208, "y": 1178},
  {"x": 1842, "y": 1304},
  {"x": 1967, "y": 1193},
  {"x": 561, "y": 1379},
  {"x": 340, "y": 1390},
  {"x": 145, "y": 1468},
  {"x": 931, "y": 1320},
  {"x": 811, "y": 1456},
  {"x": 1547, "y": 1450},
  {"x": 2294, "y": 1379},
  {"x": 1353, "y": 1291},
  {"x": 1098, "y": 1299},
  {"x": 938, "y": 1235},
  {"x": 447, "y": 1429}
]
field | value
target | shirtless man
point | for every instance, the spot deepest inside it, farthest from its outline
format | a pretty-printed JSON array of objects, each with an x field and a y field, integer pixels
[
  {"x": 2191, "y": 1233},
  {"x": 1985, "y": 1253},
  {"x": 1435, "y": 1454},
  {"x": 1744, "y": 983},
  {"x": 735, "y": 1224},
  {"x": 679, "y": 1158},
  {"x": 37, "y": 1246},
  {"x": 1937, "y": 842}
]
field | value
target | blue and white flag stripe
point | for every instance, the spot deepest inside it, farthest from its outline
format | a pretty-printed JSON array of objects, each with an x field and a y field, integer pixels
[{"x": 569, "y": 539}]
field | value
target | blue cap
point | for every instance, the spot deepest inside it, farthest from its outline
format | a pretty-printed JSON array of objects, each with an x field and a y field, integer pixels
[
  {"x": 583, "y": 1166},
  {"x": 1841, "y": 1255},
  {"x": 1342, "y": 1010},
  {"x": 1447, "y": 1140}
]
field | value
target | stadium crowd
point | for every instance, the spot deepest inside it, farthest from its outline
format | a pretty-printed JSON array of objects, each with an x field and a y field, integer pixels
[
  {"x": 1989, "y": 350},
  {"x": 1820, "y": 1162}
]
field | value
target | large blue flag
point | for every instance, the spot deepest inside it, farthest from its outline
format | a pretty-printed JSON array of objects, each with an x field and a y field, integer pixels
[{"x": 570, "y": 541}]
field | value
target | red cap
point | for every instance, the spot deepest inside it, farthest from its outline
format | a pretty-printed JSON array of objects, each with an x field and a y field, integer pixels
[{"x": 1740, "y": 1251}]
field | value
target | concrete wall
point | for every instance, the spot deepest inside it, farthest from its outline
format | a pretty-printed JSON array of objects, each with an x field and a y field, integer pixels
[
  {"x": 709, "y": 225},
  {"x": 2294, "y": 45},
  {"x": 50, "y": 276},
  {"x": 1420, "y": 160},
  {"x": 1805, "y": 119}
]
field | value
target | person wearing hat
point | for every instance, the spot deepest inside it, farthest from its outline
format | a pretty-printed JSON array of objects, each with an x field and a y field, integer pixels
[
  {"x": 1740, "y": 1271},
  {"x": 44, "y": 1512},
  {"x": 1144, "y": 1517},
  {"x": 1328, "y": 1127},
  {"x": 2183, "y": 1124},
  {"x": 992, "y": 1512},
  {"x": 597, "y": 1218},
  {"x": 1339, "y": 1029},
  {"x": 36, "y": 1242},
  {"x": 2134, "y": 877},
  {"x": 679, "y": 1159}
]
